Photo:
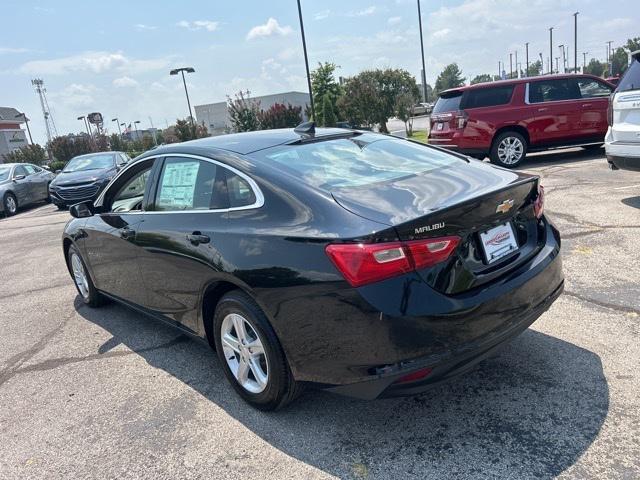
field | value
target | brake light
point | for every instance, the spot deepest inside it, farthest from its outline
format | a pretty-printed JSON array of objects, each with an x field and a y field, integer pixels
[
  {"x": 461, "y": 119},
  {"x": 363, "y": 263},
  {"x": 538, "y": 204},
  {"x": 415, "y": 376}
]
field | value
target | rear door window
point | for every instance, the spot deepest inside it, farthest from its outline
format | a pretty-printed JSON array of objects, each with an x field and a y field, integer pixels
[
  {"x": 553, "y": 90},
  {"x": 449, "y": 102},
  {"x": 631, "y": 78},
  {"x": 591, "y": 88},
  {"x": 488, "y": 97}
]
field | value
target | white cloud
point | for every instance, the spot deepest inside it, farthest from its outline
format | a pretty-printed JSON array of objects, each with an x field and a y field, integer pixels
[
  {"x": 75, "y": 95},
  {"x": 616, "y": 23},
  {"x": 363, "y": 13},
  {"x": 5, "y": 50},
  {"x": 141, "y": 27},
  {"x": 322, "y": 15},
  {"x": 394, "y": 20},
  {"x": 125, "y": 82},
  {"x": 443, "y": 32},
  {"x": 207, "y": 25},
  {"x": 96, "y": 62},
  {"x": 289, "y": 53},
  {"x": 272, "y": 27}
]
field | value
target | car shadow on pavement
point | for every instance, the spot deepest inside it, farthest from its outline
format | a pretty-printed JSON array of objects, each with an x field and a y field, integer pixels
[
  {"x": 563, "y": 157},
  {"x": 632, "y": 202},
  {"x": 529, "y": 412}
]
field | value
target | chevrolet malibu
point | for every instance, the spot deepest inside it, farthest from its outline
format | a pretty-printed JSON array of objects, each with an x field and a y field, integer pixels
[{"x": 351, "y": 261}]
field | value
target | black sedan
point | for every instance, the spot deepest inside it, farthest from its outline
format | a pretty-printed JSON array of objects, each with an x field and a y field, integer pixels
[
  {"x": 84, "y": 177},
  {"x": 356, "y": 262}
]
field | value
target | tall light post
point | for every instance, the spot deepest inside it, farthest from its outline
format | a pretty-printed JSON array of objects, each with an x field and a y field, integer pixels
[
  {"x": 306, "y": 62},
  {"x": 584, "y": 60},
  {"x": 135, "y": 125},
  {"x": 510, "y": 66},
  {"x": 526, "y": 54},
  {"x": 517, "y": 70},
  {"x": 551, "y": 50},
  {"x": 118, "y": 122},
  {"x": 541, "y": 63},
  {"x": 609, "y": 57},
  {"x": 557, "y": 69},
  {"x": 564, "y": 70},
  {"x": 26, "y": 120},
  {"x": 181, "y": 70},
  {"x": 499, "y": 70},
  {"x": 424, "y": 71},
  {"x": 86, "y": 125},
  {"x": 575, "y": 42}
]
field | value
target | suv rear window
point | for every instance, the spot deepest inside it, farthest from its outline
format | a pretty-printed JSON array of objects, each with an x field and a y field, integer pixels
[
  {"x": 631, "y": 78},
  {"x": 488, "y": 97},
  {"x": 449, "y": 102}
]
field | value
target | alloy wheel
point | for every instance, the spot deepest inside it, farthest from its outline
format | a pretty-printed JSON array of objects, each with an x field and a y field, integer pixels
[
  {"x": 11, "y": 204},
  {"x": 510, "y": 150},
  {"x": 244, "y": 353},
  {"x": 79, "y": 275}
]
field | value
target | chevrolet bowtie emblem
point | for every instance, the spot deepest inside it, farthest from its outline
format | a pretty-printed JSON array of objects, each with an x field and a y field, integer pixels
[{"x": 505, "y": 206}]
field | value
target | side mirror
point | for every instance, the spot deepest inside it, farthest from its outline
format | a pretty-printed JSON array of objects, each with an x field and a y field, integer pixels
[
  {"x": 81, "y": 210},
  {"x": 18, "y": 177}
]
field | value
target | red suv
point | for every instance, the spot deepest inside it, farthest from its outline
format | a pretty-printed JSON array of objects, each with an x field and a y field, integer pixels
[{"x": 508, "y": 118}]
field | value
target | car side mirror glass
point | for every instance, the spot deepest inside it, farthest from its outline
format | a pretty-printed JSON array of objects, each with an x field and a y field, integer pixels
[
  {"x": 19, "y": 177},
  {"x": 81, "y": 210}
]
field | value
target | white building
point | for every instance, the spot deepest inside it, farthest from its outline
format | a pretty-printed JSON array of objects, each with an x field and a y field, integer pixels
[
  {"x": 215, "y": 117},
  {"x": 12, "y": 137}
]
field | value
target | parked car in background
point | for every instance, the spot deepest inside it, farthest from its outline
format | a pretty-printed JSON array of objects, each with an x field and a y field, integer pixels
[
  {"x": 357, "y": 262},
  {"x": 506, "y": 119},
  {"x": 422, "y": 109},
  {"x": 622, "y": 142},
  {"x": 613, "y": 80},
  {"x": 84, "y": 177},
  {"x": 22, "y": 184}
]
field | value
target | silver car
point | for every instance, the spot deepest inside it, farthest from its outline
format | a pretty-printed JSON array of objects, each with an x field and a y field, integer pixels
[{"x": 22, "y": 184}]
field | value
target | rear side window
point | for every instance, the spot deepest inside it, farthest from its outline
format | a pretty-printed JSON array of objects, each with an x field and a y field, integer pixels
[
  {"x": 240, "y": 192},
  {"x": 591, "y": 88},
  {"x": 352, "y": 162},
  {"x": 488, "y": 97},
  {"x": 631, "y": 78},
  {"x": 553, "y": 91},
  {"x": 448, "y": 103}
]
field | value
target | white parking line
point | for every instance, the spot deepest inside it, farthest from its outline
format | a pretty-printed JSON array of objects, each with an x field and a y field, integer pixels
[{"x": 627, "y": 187}]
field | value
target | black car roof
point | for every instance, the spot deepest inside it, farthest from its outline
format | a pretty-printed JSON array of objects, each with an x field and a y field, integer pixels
[{"x": 247, "y": 142}]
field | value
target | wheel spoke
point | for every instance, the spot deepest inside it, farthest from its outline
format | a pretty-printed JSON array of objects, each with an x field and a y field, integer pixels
[
  {"x": 258, "y": 373},
  {"x": 243, "y": 371},
  {"x": 255, "y": 348},
  {"x": 231, "y": 342},
  {"x": 241, "y": 332}
]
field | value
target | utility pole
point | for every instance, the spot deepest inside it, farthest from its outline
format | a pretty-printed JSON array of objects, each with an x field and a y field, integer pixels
[
  {"x": 26, "y": 120},
  {"x": 526, "y": 50},
  {"x": 551, "y": 50},
  {"x": 38, "y": 83},
  {"x": 306, "y": 61},
  {"x": 609, "y": 52},
  {"x": 424, "y": 71},
  {"x": 575, "y": 42}
]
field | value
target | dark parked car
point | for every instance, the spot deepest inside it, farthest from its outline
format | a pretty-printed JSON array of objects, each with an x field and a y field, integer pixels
[
  {"x": 357, "y": 262},
  {"x": 22, "y": 184},
  {"x": 506, "y": 119},
  {"x": 84, "y": 177}
]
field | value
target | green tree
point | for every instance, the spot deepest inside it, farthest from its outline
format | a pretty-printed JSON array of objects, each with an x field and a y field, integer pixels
[
  {"x": 280, "y": 116},
  {"x": 328, "y": 117},
  {"x": 620, "y": 57},
  {"x": 324, "y": 85},
  {"x": 33, "y": 153},
  {"x": 360, "y": 102},
  {"x": 482, "y": 78},
  {"x": 116, "y": 142},
  {"x": 183, "y": 130},
  {"x": 404, "y": 111},
  {"x": 450, "y": 77},
  {"x": 595, "y": 67},
  {"x": 65, "y": 147},
  {"x": 243, "y": 112},
  {"x": 534, "y": 69}
]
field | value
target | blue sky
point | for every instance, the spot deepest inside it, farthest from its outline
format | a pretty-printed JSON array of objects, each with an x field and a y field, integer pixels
[{"x": 114, "y": 57}]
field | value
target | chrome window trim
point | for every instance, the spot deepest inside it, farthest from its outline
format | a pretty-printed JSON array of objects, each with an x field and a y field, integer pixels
[{"x": 252, "y": 184}]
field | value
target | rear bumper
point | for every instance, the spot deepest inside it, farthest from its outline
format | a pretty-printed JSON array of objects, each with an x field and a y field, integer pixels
[
  {"x": 458, "y": 145},
  {"x": 622, "y": 155}
]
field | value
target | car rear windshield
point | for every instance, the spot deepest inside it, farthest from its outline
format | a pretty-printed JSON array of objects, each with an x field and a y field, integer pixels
[
  {"x": 352, "y": 162},
  {"x": 631, "y": 78},
  {"x": 449, "y": 102},
  {"x": 488, "y": 97}
]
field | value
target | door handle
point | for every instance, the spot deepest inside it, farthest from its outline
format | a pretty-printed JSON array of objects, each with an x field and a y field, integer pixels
[
  {"x": 196, "y": 238},
  {"x": 544, "y": 109},
  {"x": 127, "y": 234},
  {"x": 586, "y": 105}
]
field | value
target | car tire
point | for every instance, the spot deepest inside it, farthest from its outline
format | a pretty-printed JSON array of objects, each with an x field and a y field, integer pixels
[
  {"x": 253, "y": 361},
  {"x": 10, "y": 204},
  {"x": 509, "y": 149},
  {"x": 82, "y": 280},
  {"x": 61, "y": 207}
]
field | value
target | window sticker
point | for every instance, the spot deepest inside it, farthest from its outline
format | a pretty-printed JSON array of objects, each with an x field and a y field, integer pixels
[{"x": 178, "y": 185}]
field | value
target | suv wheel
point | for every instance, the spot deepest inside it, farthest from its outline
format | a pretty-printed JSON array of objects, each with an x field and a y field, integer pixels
[
  {"x": 509, "y": 149},
  {"x": 250, "y": 353}
]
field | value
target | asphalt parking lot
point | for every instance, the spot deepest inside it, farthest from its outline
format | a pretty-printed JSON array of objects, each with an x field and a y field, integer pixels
[{"x": 108, "y": 393}]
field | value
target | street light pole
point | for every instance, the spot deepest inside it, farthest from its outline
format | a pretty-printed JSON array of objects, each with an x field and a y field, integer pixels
[
  {"x": 26, "y": 120},
  {"x": 563, "y": 59},
  {"x": 424, "y": 71},
  {"x": 584, "y": 61},
  {"x": 517, "y": 69},
  {"x": 135, "y": 125},
  {"x": 575, "y": 42},
  {"x": 181, "y": 70},
  {"x": 557, "y": 69},
  {"x": 609, "y": 55},
  {"x": 118, "y": 122},
  {"x": 551, "y": 50},
  {"x": 306, "y": 62},
  {"x": 510, "y": 66},
  {"x": 526, "y": 47},
  {"x": 86, "y": 125}
]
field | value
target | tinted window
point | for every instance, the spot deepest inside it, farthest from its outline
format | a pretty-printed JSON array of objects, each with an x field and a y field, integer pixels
[
  {"x": 19, "y": 170},
  {"x": 488, "y": 97},
  {"x": 4, "y": 173},
  {"x": 130, "y": 195},
  {"x": 448, "y": 103},
  {"x": 590, "y": 88},
  {"x": 553, "y": 90},
  {"x": 240, "y": 192},
  {"x": 631, "y": 78},
  {"x": 353, "y": 162},
  {"x": 189, "y": 184}
]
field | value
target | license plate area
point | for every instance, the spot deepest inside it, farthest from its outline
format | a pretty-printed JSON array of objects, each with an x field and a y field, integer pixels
[
  {"x": 498, "y": 242},
  {"x": 439, "y": 126}
]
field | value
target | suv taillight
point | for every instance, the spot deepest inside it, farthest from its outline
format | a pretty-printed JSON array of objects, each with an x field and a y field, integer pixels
[
  {"x": 460, "y": 119},
  {"x": 610, "y": 110},
  {"x": 363, "y": 263}
]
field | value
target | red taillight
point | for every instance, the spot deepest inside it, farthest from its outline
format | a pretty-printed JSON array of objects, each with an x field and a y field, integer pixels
[
  {"x": 538, "y": 204},
  {"x": 363, "y": 263},
  {"x": 461, "y": 119},
  {"x": 414, "y": 376}
]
